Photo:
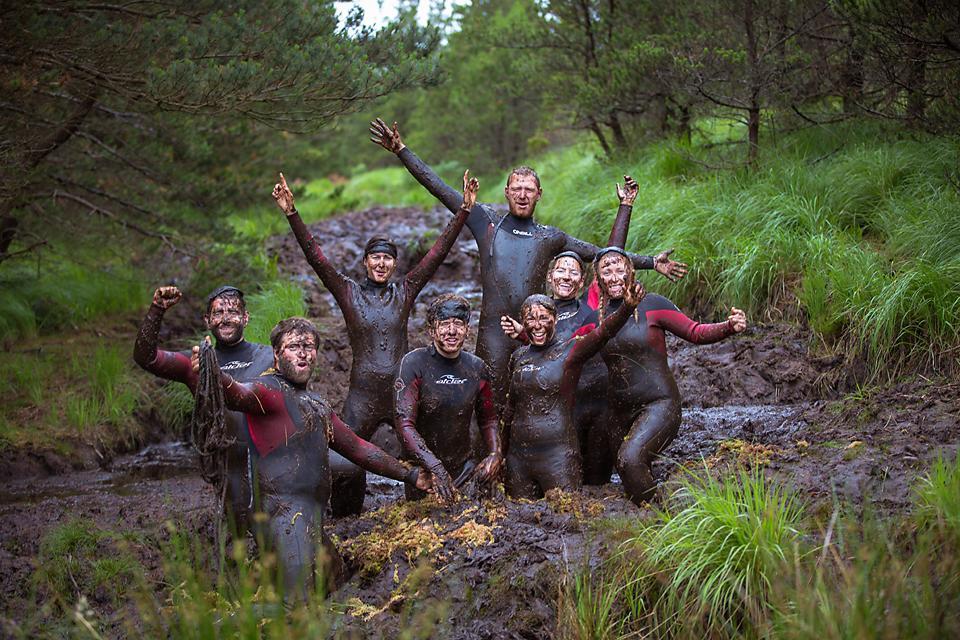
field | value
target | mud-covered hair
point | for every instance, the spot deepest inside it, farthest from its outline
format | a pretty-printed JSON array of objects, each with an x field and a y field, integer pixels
[
  {"x": 448, "y": 305},
  {"x": 227, "y": 292},
  {"x": 538, "y": 299},
  {"x": 380, "y": 244},
  {"x": 295, "y": 324},
  {"x": 523, "y": 170}
]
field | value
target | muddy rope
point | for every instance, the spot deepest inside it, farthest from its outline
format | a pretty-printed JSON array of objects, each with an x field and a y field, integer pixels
[{"x": 208, "y": 427}]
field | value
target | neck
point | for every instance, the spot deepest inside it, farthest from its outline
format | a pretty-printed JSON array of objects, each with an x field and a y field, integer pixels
[
  {"x": 447, "y": 354},
  {"x": 370, "y": 282},
  {"x": 229, "y": 345}
]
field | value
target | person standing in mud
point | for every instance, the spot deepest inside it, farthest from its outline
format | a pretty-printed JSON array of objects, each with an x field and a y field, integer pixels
[
  {"x": 439, "y": 388},
  {"x": 291, "y": 429},
  {"x": 226, "y": 318},
  {"x": 376, "y": 313},
  {"x": 515, "y": 251},
  {"x": 576, "y": 317},
  {"x": 644, "y": 402},
  {"x": 543, "y": 451}
]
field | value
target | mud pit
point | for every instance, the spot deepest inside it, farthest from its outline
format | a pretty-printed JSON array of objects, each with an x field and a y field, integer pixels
[{"x": 491, "y": 568}]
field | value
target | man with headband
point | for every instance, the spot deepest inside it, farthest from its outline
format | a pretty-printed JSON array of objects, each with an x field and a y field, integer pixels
[
  {"x": 438, "y": 389},
  {"x": 226, "y": 318},
  {"x": 515, "y": 251},
  {"x": 376, "y": 313}
]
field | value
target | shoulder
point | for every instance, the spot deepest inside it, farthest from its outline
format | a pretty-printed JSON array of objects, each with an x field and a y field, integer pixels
[
  {"x": 656, "y": 302},
  {"x": 487, "y": 211},
  {"x": 473, "y": 361},
  {"x": 413, "y": 359}
]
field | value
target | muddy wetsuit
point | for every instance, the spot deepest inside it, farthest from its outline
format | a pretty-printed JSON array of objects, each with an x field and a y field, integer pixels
[
  {"x": 644, "y": 402},
  {"x": 292, "y": 470},
  {"x": 543, "y": 449},
  {"x": 244, "y": 361},
  {"x": 436, "y": 399},
  {"x": 575, "y": 317},
  {"x": 376, "y": 317},
  {"x": 515, "y": 254}
]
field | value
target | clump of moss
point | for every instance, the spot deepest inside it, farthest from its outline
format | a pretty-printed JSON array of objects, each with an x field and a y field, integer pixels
[
  {"x": 745, "y": 453},
  {"x": 574, "y": 503}
]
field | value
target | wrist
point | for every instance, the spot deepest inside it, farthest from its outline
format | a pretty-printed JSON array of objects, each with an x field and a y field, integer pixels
[
  {"x": 293, "y": 211},
  {"x": 412, "y": 476}
]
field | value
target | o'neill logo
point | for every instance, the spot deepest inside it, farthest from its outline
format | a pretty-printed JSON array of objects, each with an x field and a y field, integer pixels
[
  {"x": 450, "y": 379},
  {"x": 527, "y": 234}
]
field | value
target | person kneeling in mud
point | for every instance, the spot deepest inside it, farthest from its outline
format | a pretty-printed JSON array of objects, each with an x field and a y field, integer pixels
[
  {"x": 543, "y": 451},
  {"x": 291, "y": 429},
  {"x": 438, "y": 389}
]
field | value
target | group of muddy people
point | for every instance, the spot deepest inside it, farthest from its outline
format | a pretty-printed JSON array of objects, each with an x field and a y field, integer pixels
[{"x": 565, "y": 387}]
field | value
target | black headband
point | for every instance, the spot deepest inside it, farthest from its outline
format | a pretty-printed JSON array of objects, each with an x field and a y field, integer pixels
[
  {"x": 606, "y": 250},
  {"x": 380, "y": 245},
  {"x": 222, "y": 290},
  {"x": 569, "y": 254},
  {"x": 459, "y": 309}
]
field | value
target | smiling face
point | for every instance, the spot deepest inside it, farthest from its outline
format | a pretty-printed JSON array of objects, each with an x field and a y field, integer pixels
[
  {"x": 449, "y": 335},
  {"x": 226, "y": 318},
  {"x": 539, "y": 323},
  {"x": 380, "y": 266},
  {"x": 566, "y": 279},
  {"x": 295, "y": 357},
  {"x": 522, "y": 193},
  {"x": 614, "y": 275}
]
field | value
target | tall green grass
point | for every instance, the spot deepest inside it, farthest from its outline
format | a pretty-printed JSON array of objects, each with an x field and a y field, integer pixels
[{"x": 278, "y": 300}]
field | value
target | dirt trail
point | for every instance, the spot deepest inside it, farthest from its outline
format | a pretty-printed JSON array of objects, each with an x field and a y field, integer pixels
[{"x": 758, "y": 397}]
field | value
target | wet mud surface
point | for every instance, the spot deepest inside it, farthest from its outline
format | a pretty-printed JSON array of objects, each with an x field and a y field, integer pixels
[{"x": 491, "y": 569}]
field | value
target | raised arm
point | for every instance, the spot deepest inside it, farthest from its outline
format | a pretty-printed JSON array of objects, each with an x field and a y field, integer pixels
[
  {"x": 332, "y": 279},
  {"x": 591, "y": 343},
  {"x": 368, "y": 455},
  {"x": 405, "y": 424},
  {"x": 165, "y": 364},
  {"x": 428, "y": 265},
  {"x": 674, "y": 321},
  {"x": 486, "y": 411}
]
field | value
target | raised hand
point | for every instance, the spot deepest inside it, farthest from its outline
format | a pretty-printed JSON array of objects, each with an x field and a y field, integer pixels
[
  {"x": 510, "y": 327},
  {"x": 284, "y": 197},
  {"x": 737, "y": 320},
  {"x": 670, "y": 269},
  {"x": 386, "y": 137},
  {"x": 634, "y": 294},
  {"x": 471, "y": 187},
  {"x": 166, "y": 297},
  {"x": 628, "y": 192}
]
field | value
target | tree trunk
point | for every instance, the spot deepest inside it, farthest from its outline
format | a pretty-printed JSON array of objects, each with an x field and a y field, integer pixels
[
  {"x": 619, "y": 139},
  {"x": 851, "y": 76},
  {"x": 916, "y": 84},
  {"x": 753, "y": 71},
  {"x": 600, "y": 137}
]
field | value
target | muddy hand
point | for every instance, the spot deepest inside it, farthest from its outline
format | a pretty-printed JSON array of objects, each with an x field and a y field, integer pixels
[
  {"x": 166, "y": 297},
  {"x": 634, "y": 294},
  {"x": 737, "y": 320},
  {"x": 443, "y": 484},
  {"x": 425, "y": 480},
  {"x": 670, "y": 269},
  {"x": 284, "y": 197},
  {"x": 489, "y": 468},
  {"x": 386, "y": 137},
  {"x": 510, "y": 327},
  {"x": 628, "y": 192},
  {"x": 471, "y": 186},
  {"x": 195, "y": 355}
]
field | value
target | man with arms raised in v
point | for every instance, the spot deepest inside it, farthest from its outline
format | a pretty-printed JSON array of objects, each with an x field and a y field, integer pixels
[{"x": 515, "y": 251}]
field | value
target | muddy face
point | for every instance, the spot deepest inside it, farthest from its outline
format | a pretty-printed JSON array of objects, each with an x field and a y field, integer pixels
[
  {"x": 448, "y": 336},
  {"x": 226, "y": 320},
  {"x": 614, "y": 275},
  {"x": 296, "y": 357},
  {"x": 522, "y": 195},
  {"x": 380, "y": 266},
  {"x": 566, "y": 279},
  {"x": 539, "y": 323}
]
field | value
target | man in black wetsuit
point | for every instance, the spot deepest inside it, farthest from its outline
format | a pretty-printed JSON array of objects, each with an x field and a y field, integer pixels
[
  {"x": 515, "y": 251},
  {"x": 226, "y": 318},
  {"x": 376, "y": 313},
  {"x": 438, "y": 389},
  {"x": 291, "y": 429}
]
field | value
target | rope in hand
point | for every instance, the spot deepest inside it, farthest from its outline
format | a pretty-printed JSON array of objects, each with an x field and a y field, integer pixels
[{"x": 208, "y": 428}]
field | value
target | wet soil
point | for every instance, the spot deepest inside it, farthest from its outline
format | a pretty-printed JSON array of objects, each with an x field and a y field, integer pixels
[{"x": 493, "y": 568}]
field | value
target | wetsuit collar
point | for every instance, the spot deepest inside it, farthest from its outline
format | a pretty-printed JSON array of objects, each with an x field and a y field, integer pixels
[
  {"x": 432, "y": 350},
  {"x": 613, "y": 305},
  {"x": 370, "y": 284},
  {"x": 236, "y": 346},
  {"x": 572, "y": 304}
]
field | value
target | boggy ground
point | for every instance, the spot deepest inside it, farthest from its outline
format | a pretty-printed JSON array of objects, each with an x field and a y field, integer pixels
[{"x": 492, "y": 568}]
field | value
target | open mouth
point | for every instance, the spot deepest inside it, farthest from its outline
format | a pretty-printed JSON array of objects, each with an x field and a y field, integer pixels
[{"x": 538, "y": 335}]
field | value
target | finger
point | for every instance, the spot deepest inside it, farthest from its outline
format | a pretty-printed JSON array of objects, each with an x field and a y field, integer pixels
[
  {"x": 283, "y": 181},
  {"x": 666, "y": 254},
  {"x": 396, "y": 131},
  {"x": 382, "y": 124}
]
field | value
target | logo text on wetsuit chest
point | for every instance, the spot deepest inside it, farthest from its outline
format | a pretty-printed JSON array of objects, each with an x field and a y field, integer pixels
[
  {"x": 529, "y": 367},
  {"x": 566, "y": 316},
  {"x": 525, "y": 234},
  {"x": 450, "y": 379},
  {"x": 234, "y": 364}
]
